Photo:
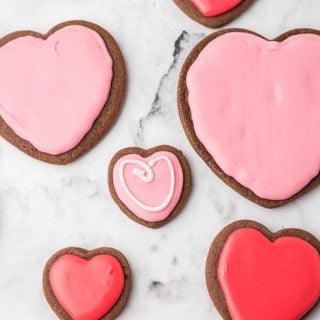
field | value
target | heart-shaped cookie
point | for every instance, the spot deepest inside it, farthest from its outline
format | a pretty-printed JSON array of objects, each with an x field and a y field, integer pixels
[
  {"x": 59, "y": 92},
  {"x": 87, "y": 285},
  {"x": 250, "y": 108},
  {"x": 150, "y": 186},
  {"x": 253, "y": 273},
  {"x": 213, "y": 13}
]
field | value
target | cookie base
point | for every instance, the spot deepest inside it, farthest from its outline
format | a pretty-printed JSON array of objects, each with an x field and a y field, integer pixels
[
  {"x": 84, "y": 254},
  {"x": 187, "y": 123},
  {"x": 146, "y": 153}
]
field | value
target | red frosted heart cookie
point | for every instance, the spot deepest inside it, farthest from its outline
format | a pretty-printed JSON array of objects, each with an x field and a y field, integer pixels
[
  {"x": 211, "y": 8},
  {"x": 213, "y": 13},
  {"x": 59, "y": 92},
  {"x": 250, "y": 106},
  {"x": 253, "y": 273},
  {"x": 150, "y": 186},
  {"x": 87, "y": 285}
]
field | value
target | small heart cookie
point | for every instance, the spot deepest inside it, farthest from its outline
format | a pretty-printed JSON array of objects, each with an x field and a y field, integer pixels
[
  {"x": 253, "y": 273},
  {"x": 59, "y": 92},
  {"x": 87, "y": 285},
  {"x": 213, "y": 13},
  {"x": 150, "y": 186},
  {"x": 250, "y": 108}
]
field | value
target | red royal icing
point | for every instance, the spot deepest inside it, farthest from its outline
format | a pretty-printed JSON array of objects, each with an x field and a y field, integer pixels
[
  {"x": 211, "y": 8},
  {"x": 264, "y": 280},
  {"x": 87, "y": 289}
]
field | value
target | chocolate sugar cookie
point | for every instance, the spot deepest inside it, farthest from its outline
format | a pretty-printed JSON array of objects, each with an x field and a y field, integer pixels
[
  {"x": 150, "y": 186},
  {"x": 213, "y": 13},
  {"x": 250, "y": 108},
  {"x": 59, "y": 92},
  {"x": 81, "y": 284},
  {"x": 252, "y": 273}
]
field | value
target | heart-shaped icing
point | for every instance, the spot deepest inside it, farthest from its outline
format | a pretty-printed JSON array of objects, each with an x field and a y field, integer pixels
[
  {"x": 87, "y": 289},
  {"x": 255, "y": 109},
  {"x": 252, "y": 273},
  {"x": 211, "y": 8},
  {"x": 52, "y": 90},
  {"x": 150, "y": 187},
  {"x": 146, "y": 172},
  {"x": 267, "y": 280}
]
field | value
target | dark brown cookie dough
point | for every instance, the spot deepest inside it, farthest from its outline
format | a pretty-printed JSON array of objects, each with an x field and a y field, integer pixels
[
  {"x": 213, "y": 284},
  {"x": 212, "y": 22},
  {"x": 85, "y": 254},
  {"x": 186, "y": 119},
  {"x": 107, "y": 116},
  {"x": 146, "y": 153}
]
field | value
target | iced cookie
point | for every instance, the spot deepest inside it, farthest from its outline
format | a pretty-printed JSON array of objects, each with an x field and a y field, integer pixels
[
  {"x": 150, "y": 186},
  {"x": 252, "y": 273},
  {"x": 87, "y": 285},
  {"x": 59, "y": 92},
  {"x": 213, "y": 13},
  {"x": 250, "y": 108}
]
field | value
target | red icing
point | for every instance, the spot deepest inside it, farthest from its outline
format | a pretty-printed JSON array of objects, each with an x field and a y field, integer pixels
[
  {"x": 87, "y": 289},
  {"x": 264, "y": 280},
  {"x": 211, "y": 8}
]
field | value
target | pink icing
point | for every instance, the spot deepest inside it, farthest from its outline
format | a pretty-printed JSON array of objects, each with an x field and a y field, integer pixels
[
  {"x": 268, "y": 280},
  {"x": 211, "y": 8},
  {"x": 151, "y": 194},
  {"x": 87, "y": 289},
  {"x": 51, "y": 91},
  {"x": 255, "y": 106}
]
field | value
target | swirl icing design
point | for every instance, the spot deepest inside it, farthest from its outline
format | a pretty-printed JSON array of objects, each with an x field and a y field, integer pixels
[
  {"x": 147, "y": 175},
  {"x": 150, "y": 187}
]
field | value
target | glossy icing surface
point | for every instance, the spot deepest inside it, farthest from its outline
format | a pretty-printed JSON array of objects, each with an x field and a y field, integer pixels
[
  {"x": 87, "y": 289},
  {"x": 255, "y": 105},
  {"x": 51, "y": 91},
  {"x": 211, "y": 8},
  {"x": 150, "y": 187},
  {"x": 268, "y": 280}
]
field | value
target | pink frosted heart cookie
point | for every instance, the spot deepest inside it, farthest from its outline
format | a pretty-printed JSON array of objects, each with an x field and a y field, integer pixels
[
  {"x": 150, "y": 186},
  {"x": 252, "y": 273},
  {"x": 250, "y": 108},
  {"x": 213, "y": 13},
  {"x": 87, "y": 285},
  {"x": 59, "y": 92}
]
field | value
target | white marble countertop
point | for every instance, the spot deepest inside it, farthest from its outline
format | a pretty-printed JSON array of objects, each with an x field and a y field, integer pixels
[{"x": 44, "y": 208}]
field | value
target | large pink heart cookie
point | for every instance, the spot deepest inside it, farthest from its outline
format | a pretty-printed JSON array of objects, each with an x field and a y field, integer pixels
[
  {"x": 255, "y": 274},
  {"x": 59, "y": 92},
  {"x": 213, "y": 13},
  {"x": 87, "y": 285},
  {"x": 150, "y": 186},
  {"x": 250, "y": 107}
]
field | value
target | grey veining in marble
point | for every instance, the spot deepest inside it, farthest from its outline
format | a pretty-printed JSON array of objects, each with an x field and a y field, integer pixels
[{"x": 44, "y": 208}]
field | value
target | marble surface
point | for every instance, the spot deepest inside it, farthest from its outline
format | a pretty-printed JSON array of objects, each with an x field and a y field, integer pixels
[{"x": 44, "y": 208}]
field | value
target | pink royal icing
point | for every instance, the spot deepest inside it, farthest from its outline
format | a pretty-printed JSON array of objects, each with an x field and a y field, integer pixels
[
  {"x": 268, "y": 280},
  {"x": 51, "y": 91},
  {"x": 87, "y": 289},
  {"x": 150, "y": 187},
  {"x": 211, "y": 8},
  {"x": 255, "y": 106}
]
